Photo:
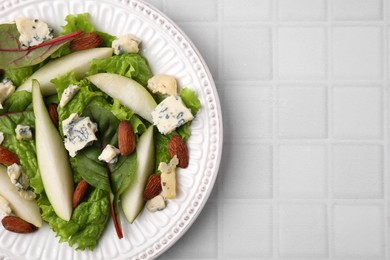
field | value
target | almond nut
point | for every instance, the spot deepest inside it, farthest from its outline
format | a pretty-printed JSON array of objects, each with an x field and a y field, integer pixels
[
  {"x": 86, "y": 41},
  {"x": 17, "y": 225},
  {"x": 53, "y": 113},
  {"x": 153, "y": 187},
  {"x": 7, "y": 157},
  {"x": 79, "y": 192},
  {"x": 178, "y": 147},
  {"x": 126, "y": 138}
]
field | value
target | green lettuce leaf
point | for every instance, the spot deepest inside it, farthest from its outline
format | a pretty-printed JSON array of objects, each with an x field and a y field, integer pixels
[
  {"x": 131, "y": 65},
  {"x": 87, "y": 223},
  {"x": 18, "y": 101},
  {"x": 24, "y": 149},
  {"x": 80, "y": 22}
]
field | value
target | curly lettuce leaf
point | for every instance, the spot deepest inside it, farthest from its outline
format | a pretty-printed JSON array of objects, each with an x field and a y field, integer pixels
[
  {"x": 80, "y": 22},
  {"x": 131, "y": 65},
  {"x": 18, "y": 101},
  {"x": 24, "y": 149},
  {"x": 87, "y": 223}
]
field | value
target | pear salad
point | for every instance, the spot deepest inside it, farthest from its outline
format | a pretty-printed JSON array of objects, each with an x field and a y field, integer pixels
[{"x": 86, "y": 130}]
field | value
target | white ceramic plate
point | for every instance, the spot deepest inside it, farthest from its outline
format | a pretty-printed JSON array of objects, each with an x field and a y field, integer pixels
[{"x": 168, "y": 51}]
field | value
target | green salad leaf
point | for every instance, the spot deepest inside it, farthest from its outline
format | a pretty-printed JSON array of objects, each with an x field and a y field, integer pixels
[
  {"x": 87, "y": 223},
  {"x": 80, "y": 22},
  {"x": 131, "y": 65}
]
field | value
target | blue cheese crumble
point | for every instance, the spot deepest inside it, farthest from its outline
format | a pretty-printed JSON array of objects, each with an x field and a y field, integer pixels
[
  {"x": 109, "y": 154},
  {"x": 6, "y": 89},
  {"x": 79, "y": 132},
  {"x": 23, "y": 133},
  {"x": 21, "y": 181},
  {"x": 32, "y": 32},
  {"x": 127, "y": 43},
  {"x": 170, "y": 114},
  {"x": 68, "y": 94},
  {"x": 163, "y": 84}
]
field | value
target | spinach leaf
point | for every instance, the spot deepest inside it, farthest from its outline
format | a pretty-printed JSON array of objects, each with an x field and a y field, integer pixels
[
  {"x": 113, "y": 178},
  {"x": 13, "y": 56}
]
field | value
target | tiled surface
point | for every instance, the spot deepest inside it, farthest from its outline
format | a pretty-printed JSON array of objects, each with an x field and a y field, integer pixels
[{"x": 304, "y": 87}]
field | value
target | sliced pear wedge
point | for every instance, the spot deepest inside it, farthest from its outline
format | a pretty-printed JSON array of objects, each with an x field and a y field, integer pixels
[
  {"x": 77, "y": 62},
  {"x": 132, "y": 198},
  {"x": 52, "y": 158},
  {"x": 128, "y": 91},
  {"x": 27, "y": 210}
]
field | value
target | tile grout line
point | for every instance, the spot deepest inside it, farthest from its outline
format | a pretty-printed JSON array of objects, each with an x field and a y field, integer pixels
[
  {"x": 275, "y": 129},
  {"x": 329, "y": 219},
  {"x": 385, "y": 116}
]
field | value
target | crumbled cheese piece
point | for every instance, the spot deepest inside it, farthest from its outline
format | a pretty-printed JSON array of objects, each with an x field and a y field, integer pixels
[
  {"x": 68, "y": 94},
  {"x": 23, "y": 132},
  {"x": 32, "y": 32},
  {"x": 79, "y": 132},
  {"x": 109, "y": 154},
  {"x": 27, "y": 194},
  {"x": 5, "y": 209},
  {"x": 170, "y": 114},
  {"x": 168, "y": 178},
  {"x": 127, "y": 43},
  {"x": 21, "y": 181},
  {"x": 163, "y": 84},
  {"x": 1, "y": 137},
  {"x": 156, "y": 203},
  {"x": 6, "y": 89}
]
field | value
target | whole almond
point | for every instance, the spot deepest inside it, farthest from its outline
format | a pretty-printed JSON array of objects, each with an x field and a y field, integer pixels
[
  {"x": 126, "y": 138},
  {"x": 153, "y": 187},
  {"x": 53, "y": 113},
  {"x": 17, "y": 225},
  {"x": 79, "y": 192},
  {"x": 178, "y": 147},
  {"x": 7, "y": 157},
  {"x": 86, "y": 41}
]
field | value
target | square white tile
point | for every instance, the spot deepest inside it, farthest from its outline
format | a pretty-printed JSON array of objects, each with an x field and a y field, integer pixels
[
  {"x": 358, "y": 231},
  {"x": 302, "y": 53},
  {"x": 248, "y": 10},
  {"x": 357, "y": 171},
  {"x": 357, "y": 52},
  {"x": 244, "y": 176},
  {"x": 246, "y": 53},
  {"x": 302, "y": 112},
  {"x": 302, "y": 10},
  {"x": 302, "y": 171},
  {"x": 248, "y": 105},
  {"x": 247, "y": 230},
  {"x": 357, "y": 112},
  {"x": 359, "y": 10},
  {"x": 303, "y": 231}
]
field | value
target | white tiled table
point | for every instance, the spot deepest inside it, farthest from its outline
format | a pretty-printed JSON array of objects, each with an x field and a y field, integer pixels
[{"x": 304, "y": 86}]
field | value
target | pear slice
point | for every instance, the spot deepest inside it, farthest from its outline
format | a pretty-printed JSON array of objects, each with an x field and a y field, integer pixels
[
  {"x": 52, "y": 157},
  {"x": 27, "y": 210},
  {"x": 77, "y": 62},
  {"x": 128, "y": 91},
  {"x": 132, "y": 198}
]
